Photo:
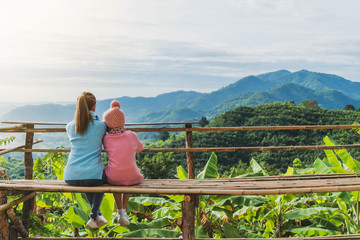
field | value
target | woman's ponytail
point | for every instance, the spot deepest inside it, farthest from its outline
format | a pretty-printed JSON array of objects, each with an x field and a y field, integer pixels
[{"x": 85, "y": 102}]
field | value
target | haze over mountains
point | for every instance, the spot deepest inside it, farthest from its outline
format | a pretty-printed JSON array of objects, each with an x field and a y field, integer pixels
[{"x": 330, "y": 91}]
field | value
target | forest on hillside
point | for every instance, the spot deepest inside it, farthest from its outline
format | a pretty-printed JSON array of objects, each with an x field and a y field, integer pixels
[{"x": 273, "y": 114}]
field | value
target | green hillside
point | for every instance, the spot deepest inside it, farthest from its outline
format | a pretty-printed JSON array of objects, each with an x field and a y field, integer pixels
[
  {"x": 247, "y": 84},
  {"x": 172, "y": 115},
  {"x": 272, "y": 114},
  {"x": 315, "y": 81}
]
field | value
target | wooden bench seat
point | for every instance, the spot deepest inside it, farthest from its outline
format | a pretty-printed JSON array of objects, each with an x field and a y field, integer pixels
[{"x": 267, "y": 185}]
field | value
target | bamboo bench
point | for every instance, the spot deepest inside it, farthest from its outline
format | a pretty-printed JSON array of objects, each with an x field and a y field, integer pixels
[{"x": 267, "y": 185}]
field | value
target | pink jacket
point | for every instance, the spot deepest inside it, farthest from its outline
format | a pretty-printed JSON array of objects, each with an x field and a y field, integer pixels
[{"x": 121, "y": 150}]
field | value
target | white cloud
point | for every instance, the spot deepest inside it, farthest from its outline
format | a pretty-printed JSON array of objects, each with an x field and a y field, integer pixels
[{"x": 159, "y": 45}]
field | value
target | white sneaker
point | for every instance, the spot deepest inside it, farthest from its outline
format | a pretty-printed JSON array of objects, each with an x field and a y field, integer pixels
[
  {"x": 123, "y": 221},
  {"x": 92, "y": 224},
  {"x": 101, "y": 221},
  {"x": 117, "y": 217}
]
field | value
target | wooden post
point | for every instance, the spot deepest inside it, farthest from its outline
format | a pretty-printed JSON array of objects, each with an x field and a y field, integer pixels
[
  {"x": 188, "y": 205},
  {"x": 28, "y": 205},
  {"x": 16, "y": 223},
  {"x": 4, "y": 221},
  {"x": 189, "y": 155},
  {"x": 188, "y": 218}
]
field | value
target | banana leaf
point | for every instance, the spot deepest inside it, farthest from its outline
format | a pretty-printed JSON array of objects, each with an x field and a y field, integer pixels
[
  {"x": 322, "y": 167},
  {"x": 210, "y": 169},
  {"x": 181, "y": 173},
  {"x": 230, "y": 231},
  {"x": 249, "y": 200},
  {"x": 314, "y": 231},
  {"x": 304, "y": 213},
  {"x": 76, "y": 217},
  {"x": 344, "y": 156}
]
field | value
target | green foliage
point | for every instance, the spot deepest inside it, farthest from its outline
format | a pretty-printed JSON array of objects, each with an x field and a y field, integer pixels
[
  {"x": 164, "y": 136},
  {"x": 349, "y": 107},
  {"x": 157, "y": 166},
  {"x": 4, "y": 141},
  {"x": 7, "y": 140},
  {"x": 15, "y": 168},
  {"x": 51, "y": 166},
  {"x": 274, "y": 114},
  {"x": 312, "y": 103},
  {"x": 203, "y": 122}
]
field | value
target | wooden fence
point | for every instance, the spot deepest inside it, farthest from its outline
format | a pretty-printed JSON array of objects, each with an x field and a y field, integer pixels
[{"x": 270, "y": 185}]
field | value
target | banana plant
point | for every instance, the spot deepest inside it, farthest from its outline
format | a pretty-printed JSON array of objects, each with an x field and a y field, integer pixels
[{"x": 330, "y": 213}]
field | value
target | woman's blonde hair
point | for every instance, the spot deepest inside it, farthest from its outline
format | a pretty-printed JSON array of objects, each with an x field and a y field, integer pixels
[{"x": 85, "y": 102}]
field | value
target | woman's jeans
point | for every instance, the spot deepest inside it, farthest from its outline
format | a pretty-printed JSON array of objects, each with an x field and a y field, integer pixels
[{"x": 94, "y": 199}]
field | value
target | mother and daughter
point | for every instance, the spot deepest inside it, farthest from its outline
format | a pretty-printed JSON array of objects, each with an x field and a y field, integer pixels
[{"x": 87, "y": 134}]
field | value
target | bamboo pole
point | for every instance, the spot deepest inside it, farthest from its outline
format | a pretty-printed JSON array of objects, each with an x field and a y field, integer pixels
[
  {"x": 14, "y": 149},
  {"x": 236, "y": 149},
  {"x": 11, "y": 127},
  {"x": 4, "y": 221},
  {"x": 221, "y": 149},
  {"x": 16, "y": 223},
  {"x": 97, "y": 238},
  {"x": 189, "y": 155},
  {"x": 247, "y": 128},
  {"x": 17, "y": 201},
  {"x": 126, "y": 124},
  {"x": 206, "y": 129},
  {"x": 188, "y": 205},
  {"x": 188, "y": 218},
  {"x": 237, "y": 186},
  {"x": 28, "y": 205},
  {"x": 331, "y": 237},
  {"x": 2, "y": 236}
]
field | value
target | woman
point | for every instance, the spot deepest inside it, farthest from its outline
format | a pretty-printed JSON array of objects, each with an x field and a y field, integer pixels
[{"x": 84, "y": 166}]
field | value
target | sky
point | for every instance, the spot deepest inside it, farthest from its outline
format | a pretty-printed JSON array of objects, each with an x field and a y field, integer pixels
[{"x": 51, "y": 51}]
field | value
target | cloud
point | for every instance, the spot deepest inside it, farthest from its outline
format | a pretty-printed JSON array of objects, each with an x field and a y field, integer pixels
[{"x": 148, "y": 47}]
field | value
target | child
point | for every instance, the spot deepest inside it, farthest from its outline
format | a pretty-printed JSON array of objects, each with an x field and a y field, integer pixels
[{"x": 121, "y": 146}]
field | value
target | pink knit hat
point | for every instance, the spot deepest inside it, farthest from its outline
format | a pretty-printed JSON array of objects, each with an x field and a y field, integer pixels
[{"x": 114, "y": 117}]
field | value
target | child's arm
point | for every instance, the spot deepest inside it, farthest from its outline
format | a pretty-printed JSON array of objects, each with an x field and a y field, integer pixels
[{"x": 139, "y": 145}]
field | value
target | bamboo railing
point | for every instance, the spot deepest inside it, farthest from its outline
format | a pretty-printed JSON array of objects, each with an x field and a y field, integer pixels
[{"x": 263, "y": 185}]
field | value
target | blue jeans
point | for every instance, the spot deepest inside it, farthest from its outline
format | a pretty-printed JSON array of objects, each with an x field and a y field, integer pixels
[{"x": 94, "y": 199}]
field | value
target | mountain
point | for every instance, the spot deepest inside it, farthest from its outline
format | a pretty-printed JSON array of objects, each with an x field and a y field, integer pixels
[
  {"x": 330, "y": 99},
  {"x": 134, "y": 108},
  {"x": 330, "y": 91},
  {"x": 42, "y": 113},
  {"x": 314, "y": 80},
  {"x": 247, "y": 84}
]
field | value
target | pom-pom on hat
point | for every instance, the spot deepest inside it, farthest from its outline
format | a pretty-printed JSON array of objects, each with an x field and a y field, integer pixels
[{"x": 114, "y": 117}]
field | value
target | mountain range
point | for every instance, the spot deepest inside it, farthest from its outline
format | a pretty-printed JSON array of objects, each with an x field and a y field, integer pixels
[{"x": 330, "y": 91}]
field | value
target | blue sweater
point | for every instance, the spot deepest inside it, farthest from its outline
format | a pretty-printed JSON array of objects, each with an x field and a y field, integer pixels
[{"x": 84, "y": 160}]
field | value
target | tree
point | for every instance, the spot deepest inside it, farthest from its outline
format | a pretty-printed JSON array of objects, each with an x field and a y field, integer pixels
[
  {"x": 312, "y": 103},
  {"x": 203, "y": 122},
  {"x": 349, "y": 107},
  {"x": 164, "y": 136}
]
